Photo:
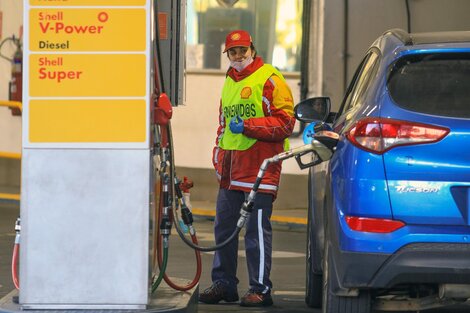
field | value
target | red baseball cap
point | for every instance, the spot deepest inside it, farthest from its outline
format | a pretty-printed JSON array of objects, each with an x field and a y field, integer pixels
[{"x": 237, "y": 38}]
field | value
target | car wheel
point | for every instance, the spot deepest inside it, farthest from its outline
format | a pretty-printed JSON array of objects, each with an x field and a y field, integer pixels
[
  {"x": 314, "y": 281},
  {"x": 338, "y": 304}
]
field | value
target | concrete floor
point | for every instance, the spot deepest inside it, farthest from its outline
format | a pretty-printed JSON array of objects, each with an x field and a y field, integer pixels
[
  {"x": 9, "y": 211},
  {"x": 288, "y": 270}
]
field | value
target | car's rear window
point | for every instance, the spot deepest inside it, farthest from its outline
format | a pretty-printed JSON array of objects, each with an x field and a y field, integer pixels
[{"x": 437, "y": 83}]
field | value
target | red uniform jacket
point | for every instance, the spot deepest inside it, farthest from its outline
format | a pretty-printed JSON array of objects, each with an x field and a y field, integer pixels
[{"x": 237, "y": 170}]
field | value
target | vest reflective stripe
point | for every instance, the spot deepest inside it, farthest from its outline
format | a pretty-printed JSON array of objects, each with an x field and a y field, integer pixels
[
  {"x": 249, "y": 185},
  {"x": 243, "y": 98}
]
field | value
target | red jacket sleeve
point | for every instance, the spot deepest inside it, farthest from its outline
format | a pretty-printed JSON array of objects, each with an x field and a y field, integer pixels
[
  {"x": 278, "y": 105},
  {"x": 217, "y": 152}
]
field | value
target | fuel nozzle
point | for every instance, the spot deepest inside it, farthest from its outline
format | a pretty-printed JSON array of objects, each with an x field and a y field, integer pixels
[
  {"x": 17, "y": 230},
  {"x": 245, "y": 212},
  {"x": 186, "y": 214},
  {"x": 186, "y": 184},
  {"x": 165, "y": 225},
  {"x": 247, "y": 207},
  {"x": 18, "y": 225}
]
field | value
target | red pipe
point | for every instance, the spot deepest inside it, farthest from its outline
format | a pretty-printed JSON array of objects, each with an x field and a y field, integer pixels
[
  {"x": 157, "y": 251},
  {"x": 197, "y": 276},
  {"x": 14, "y": 266}
]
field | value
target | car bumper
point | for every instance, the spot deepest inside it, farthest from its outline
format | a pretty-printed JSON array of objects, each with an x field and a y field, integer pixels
[{"x": 432, "y": 263}]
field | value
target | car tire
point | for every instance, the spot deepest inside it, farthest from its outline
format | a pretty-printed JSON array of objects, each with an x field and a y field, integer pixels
[
  {"x": 314, "y": 279},
  {"x": 339, "y": 304}
]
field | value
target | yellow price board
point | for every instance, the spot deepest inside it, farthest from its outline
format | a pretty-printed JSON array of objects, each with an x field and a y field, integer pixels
[
  {"x": 87, "y": 75},
  {"x": 95, "y": 121},
  {"x": 100, "y": 29},
  {"x": 87, "y": 2}
]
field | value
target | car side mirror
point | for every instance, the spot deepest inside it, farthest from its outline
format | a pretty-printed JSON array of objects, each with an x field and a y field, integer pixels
[{"x": 313, "y": 109}]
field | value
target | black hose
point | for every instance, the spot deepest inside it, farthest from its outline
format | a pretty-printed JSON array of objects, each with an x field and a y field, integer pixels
[
  {"x": 205, "y": 249},
  {"x": 408, "y": 16},
  {"x": 175, "y": 216},
  {"x": 160, "y": 83},
  {"x": 305, "y": 60}
]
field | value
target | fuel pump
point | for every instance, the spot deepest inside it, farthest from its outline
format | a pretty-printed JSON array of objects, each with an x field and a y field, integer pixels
[{"x": 169, "y": 199}]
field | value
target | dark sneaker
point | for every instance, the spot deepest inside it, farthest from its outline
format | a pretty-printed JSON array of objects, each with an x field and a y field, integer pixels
[
  {"x": 253, "y": 298},
  {"x": 216, "y": 293}
]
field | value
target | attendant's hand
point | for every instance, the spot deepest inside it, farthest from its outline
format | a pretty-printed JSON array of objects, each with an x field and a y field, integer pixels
[{"x": 236, "y": 125}]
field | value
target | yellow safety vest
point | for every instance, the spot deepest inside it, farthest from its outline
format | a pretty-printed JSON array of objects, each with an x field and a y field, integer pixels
[{"x": 244, "y": 98}]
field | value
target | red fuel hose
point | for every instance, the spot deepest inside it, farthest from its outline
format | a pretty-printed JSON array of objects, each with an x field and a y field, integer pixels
[
  {"x": 197, "y": 276},
  {"x": 14, "y": 266},
  {"x": 170, "y": 283},
  {"x": 162, "y": 115},
  {"x": 165, "y": 140}
]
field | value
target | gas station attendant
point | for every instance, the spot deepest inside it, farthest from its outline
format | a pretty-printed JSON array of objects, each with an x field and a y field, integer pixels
[{"x": 255, "y": 120}]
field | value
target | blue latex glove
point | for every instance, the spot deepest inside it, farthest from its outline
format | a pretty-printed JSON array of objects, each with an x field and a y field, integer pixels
[
  {"x": 308, "y": 133},
  {"x": 236, "y": 125}
]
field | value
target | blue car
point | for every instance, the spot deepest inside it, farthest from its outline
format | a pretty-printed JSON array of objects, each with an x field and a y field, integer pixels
[{"x": 389, "y": 213}]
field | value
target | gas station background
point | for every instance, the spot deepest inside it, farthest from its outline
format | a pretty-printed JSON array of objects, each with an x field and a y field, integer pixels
[{"x": 194, "y": 130}]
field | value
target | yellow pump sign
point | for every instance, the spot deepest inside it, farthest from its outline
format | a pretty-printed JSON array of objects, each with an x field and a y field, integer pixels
[{"x": 81, "y": 57}]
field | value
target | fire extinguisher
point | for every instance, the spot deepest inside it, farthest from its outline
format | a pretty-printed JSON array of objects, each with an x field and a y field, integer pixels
[
  {"x": 16, "y": 83},
  {"x": 15, "y": 89}
]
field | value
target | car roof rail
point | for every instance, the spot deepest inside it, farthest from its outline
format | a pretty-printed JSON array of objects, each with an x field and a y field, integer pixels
[{"x": 404, "y": 36}]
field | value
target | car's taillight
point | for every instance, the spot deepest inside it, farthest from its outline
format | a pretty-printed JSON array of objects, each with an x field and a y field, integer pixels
[
  {"x": 373, "y": 225},
  {"x": 378, "y": 135}
]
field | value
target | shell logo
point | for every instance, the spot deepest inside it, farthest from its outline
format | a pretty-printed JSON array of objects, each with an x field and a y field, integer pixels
[
  {"x": 235, "y": 36},
  {"x": 245, "y": 93}
]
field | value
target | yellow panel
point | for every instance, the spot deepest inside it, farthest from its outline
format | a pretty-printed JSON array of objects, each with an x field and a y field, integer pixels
[
  {"x": 87, "y": 30},
  {"x": 87, "y": 2},
  {"x": 9, "y": 196},
  {"x": 10, "y": 155},
  {"x": 87, "y": 75},
  {"x": 87, "y": 121}
]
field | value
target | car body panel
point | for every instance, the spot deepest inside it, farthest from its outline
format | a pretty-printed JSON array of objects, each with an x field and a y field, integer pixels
[{"x": 426, "y": 186}]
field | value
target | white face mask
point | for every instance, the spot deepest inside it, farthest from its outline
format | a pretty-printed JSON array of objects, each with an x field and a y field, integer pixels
[{"x": 240, "y": 66}]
